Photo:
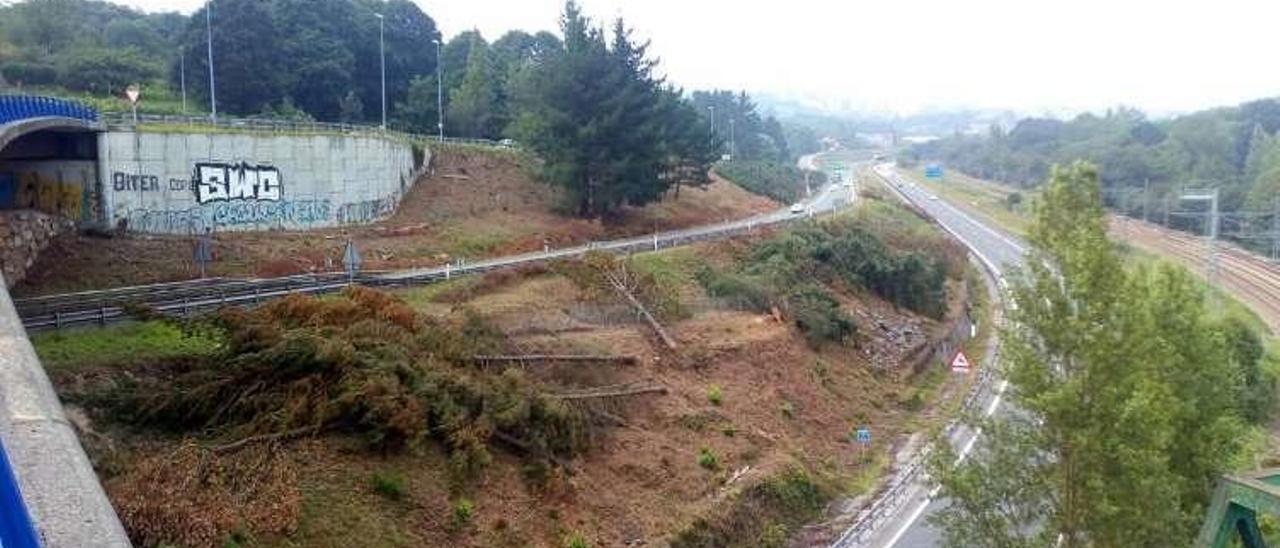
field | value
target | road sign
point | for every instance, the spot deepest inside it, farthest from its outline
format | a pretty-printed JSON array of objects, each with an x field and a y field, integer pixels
[
  {"x": 203, "y": 253},
  {"x": 933, "y": 172},
  {"x": 863, "y": 435},
  {"x": 351, "y": 259},
  {"x": 960, "y": 363},
  {"x": 133, "y": 92}
]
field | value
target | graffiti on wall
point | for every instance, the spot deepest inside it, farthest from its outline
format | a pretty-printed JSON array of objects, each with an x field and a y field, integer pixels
[
  {"x": 50, "y": 195},
  {"x": 121, "y": 182},
  {"x": 198, "y": 219},
  {"x": 367, "y": 211},
  {"x": 219, "y": 182}
]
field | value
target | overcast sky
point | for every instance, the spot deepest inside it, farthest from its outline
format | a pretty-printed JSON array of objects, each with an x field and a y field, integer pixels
[{"x": 906, "y": 55}]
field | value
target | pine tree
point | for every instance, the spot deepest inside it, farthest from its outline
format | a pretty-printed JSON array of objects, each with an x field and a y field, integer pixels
[{"x": 474, "y": 104}]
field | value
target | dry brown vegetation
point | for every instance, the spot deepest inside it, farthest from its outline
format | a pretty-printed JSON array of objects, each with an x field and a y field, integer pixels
[{"x": 384, "y": 431}]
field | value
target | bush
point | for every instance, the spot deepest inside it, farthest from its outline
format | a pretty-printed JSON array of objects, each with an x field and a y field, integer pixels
[
  {"x": 708, "y": 459},
  {"x": 782, "y": 182},
  {"x": 761, "y": 515},
  {"x": 29, "y": 74},
  {"x": 389, "y": 485},
  {"x": 740, "y": 290},
  {"x": 714, "y": 395},
  {"x": 819, "y": 316},
  {"x": 463, "y": 511},
  {"x": 575, "y": 540}
]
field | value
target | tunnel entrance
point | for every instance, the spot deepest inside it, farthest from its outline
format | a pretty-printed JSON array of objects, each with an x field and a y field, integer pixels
[{"x": 49, "y": 158}]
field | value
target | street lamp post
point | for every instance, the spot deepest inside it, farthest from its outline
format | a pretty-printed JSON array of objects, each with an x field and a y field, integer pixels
[
  {"x": 208, "y": 30},
  {"x": 182, "y": 77},
  {"x": 439, "y": 92},
  {"x": 382, "y": 52},
  {"x": 712, "y": 108},
  {"x": 733, "y": 140}
]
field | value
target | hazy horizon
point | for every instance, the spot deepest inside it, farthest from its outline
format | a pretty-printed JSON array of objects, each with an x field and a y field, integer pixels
[{"x": 917, "y": 55}]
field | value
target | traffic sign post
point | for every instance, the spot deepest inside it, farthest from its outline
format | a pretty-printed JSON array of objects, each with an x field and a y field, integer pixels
[
  {"x": 351, "y": 260},
  {"x": 133, "y": 92},
  {"x": 203, "y": 254},
  {"x": 933, "y": 172},
  {"x": 862, "y": 436},
  {"x": 960, "y": 363}
]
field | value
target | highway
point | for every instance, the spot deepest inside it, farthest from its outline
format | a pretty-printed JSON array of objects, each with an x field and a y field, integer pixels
[
  {"x": 193, "y": 296},
  {"x": 898, "y": 516}
]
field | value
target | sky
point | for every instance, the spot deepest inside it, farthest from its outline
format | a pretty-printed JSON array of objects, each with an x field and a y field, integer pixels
[{"x": 904, "y": 56}]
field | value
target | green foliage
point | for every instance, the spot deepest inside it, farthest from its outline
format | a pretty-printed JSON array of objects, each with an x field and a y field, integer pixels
[
  {"x": 1128, "y": 389},
  {"x": 739, "y": 290},
  {"x": 763, "y": 514},
  {"x": 707, "y": 459},
  {"x": 575, "y": 540},
  {"x": 389, "y": 485},
  {"x": 1234, "y": 149},
  {"x": 782, "y": 182},
  {"x": 608, "y": 131},
  {"x": 474, "y": 104},
  {"x": 125, "y": 344},
  {"x": 1013, "y": 200},
  {"x": 739, "y": 129},
  {"x": 819, "y": 316},
  {"x": 463, "y": 511},
  {"x": 714, "y": 395}
]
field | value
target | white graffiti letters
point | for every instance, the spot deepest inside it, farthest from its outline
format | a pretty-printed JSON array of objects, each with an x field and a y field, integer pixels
[{"x": 219, "y": 182}]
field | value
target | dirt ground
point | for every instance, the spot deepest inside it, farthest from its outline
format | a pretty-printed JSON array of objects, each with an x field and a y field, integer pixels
[
  {"x": 475, "y": 204},
  {"x": 782, "y": 402}
]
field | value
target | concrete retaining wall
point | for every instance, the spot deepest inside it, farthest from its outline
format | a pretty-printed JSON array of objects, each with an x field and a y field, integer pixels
[
  {"x": 61, "y": 491},
  {"x": 187, "y": 183}
]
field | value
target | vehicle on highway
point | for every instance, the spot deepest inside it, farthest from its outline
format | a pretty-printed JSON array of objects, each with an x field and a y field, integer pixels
[
  {"x": 507, "y": 143},
  {"x": 797, "y": 208},
  {"x": 933, "y": 196}
]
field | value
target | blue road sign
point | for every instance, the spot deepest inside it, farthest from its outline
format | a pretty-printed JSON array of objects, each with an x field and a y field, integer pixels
[
  {"x": 933, "y": 172},
  {"x": 863, "y": 435}
]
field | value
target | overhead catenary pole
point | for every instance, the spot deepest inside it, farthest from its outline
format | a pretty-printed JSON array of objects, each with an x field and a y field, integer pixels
[
  {"x": 1275, "y": 228},
  {"x": 1146, "y": 199},
  {"x": 382, "y": 52},
  {"x": 733, "y": 139},
  {"x": 439, "y": 91},
  {"x": 213, "y": 94},
  {"x": 1211, "y": 255}
]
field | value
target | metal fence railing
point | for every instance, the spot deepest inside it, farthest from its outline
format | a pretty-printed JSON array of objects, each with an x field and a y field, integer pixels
[
  {"x": 16, "y": 529},
  {"x": 125, "y": 120}
]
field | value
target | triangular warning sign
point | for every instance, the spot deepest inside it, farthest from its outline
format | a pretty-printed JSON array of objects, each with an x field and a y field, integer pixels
[{"x": 960, "y": 362}]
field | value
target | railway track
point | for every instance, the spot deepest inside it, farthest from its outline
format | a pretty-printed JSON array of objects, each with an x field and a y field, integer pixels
[{"x": 1250, "y": 277}]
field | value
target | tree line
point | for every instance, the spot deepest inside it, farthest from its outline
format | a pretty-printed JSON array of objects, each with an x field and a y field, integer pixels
[{"x": 1234, "y": 149}]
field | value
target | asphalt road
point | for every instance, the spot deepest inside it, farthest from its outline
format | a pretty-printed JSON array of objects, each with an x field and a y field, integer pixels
[{"x": 905, "y": 525}]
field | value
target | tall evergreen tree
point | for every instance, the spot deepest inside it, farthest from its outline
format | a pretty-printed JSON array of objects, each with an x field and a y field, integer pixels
[{"x": 473, "y": 106}]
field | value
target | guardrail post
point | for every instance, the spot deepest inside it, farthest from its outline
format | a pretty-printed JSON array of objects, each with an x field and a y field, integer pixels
[
  {"x": 102, "y": 315},
  {"x": 57, "y": 319}
]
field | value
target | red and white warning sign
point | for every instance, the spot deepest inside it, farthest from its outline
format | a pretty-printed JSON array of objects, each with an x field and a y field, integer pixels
[{"x": 960, "y": 363}]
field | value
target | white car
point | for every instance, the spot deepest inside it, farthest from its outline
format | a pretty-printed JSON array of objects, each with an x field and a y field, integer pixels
[
  {"x": 933, "y": 196},
  {"x": 797, "y": 208}
]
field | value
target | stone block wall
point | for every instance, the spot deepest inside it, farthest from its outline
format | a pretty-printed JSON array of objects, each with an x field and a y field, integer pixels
[{"x": 23, "y": 235}]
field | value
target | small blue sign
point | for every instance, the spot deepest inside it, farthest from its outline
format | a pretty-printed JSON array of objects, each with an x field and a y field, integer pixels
[
  {"x": 933, "y": 172},
  {"x": 863, "y": 435}
]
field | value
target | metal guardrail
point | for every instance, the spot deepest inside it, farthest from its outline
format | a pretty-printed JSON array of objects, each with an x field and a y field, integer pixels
[
  {"x": 195, "y": 296},
  {"x": 16, "y": 529},
  {"x": 124, "y": 120}
]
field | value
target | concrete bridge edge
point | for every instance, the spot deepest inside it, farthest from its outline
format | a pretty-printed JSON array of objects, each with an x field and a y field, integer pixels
[{"x": 62, "y": 493}]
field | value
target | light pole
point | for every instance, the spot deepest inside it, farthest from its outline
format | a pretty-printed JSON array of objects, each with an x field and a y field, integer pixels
[
  {"x": 208, "y": 30},
  {"x": 733, "y": 139},
  {"x": 382, "y": 51},
  {"x": 439, "y": 92},
  {"x": 712, "y": 108},
  {"x": 182, "y": 77}
]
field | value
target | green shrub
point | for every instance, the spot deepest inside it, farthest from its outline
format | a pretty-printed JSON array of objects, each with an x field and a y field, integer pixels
[
  {"x": 575, "y": 540},
  {"x": 763, "y": 514},
  {"x": 788, "y": 410},
  {"x": 708, "y": 459},
  {"x": 463, "y": 511},
  {"x": 714, "y": 395},
  {"x": 819, "y": 316},
  {"x": 782, "y": 182},
  {"x": 389, "y": 485},
  {"x": 739, "y": 290}
]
